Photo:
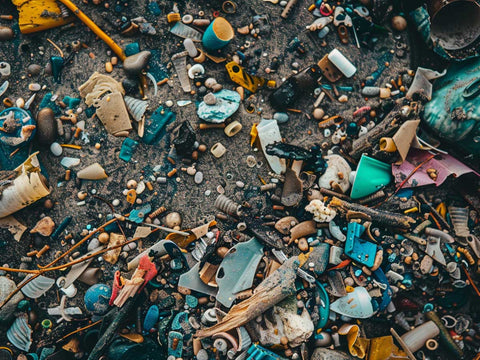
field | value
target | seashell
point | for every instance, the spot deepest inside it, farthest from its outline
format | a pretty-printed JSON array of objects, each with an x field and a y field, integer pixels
[
  {"x": 69, "y": 162},
  {"x": 227, "y": 205},
  {"x": 44, "y": 226},
  {"x": 37, "y": 287},
  {"x": 20, "y": 334},
  {"x": 92, "y": 172},
  {"x": 136, "y": 107}
]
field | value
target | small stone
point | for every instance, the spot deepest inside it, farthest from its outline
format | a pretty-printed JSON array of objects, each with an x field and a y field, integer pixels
[
  {"x": 220, "y": 189},
  {"x": 108, "y": 67},
  {"x": 198, "y": 177},
  {"x": 251, "y": 161},
  {"x": 283, "y": 3},
  {"x": 303, "y": 244},
  {"x": 56, "y": 149},
  {"x": 93, "y": 244},
  {"x": 281, "y": 117},
  {"x": 318, "y": 113},
  {"x": 217, "y": 87},
  {"x": 169, "y": 103},
  {"x": 116, "y": 202},
  {"x": 134, "y": 64},
  {"x": 210, "y": 99},
  {"x": 295, "y": 65},
  {"x": 82, "y": 195},
  {"x": 202, "y": 147},
  {"x": 210, "y": 82},
  {"x": 6, "y": 33},
  {"x": 20, "y": 102},
  {"x": 44, "y": 226},
  {"x": 34, "y": 87},
  {"x": 240, "y": 184},
  {"x": 384, "y": 93},
  {"x": 191, "y": 170},
  {"x": 207, "y": 192},
  {"x": 173, "y": 219},
  {"x": 399, "y": 23},
  {"x": 371, "y": 91},
  {"x": 343, "y": 98},
  {"x": 46, "y": 127},
  {"x": 34, "y": 69}
]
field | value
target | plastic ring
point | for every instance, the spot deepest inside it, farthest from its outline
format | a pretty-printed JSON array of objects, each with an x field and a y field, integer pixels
[
  {"x": 218, "y": 150},
  {"x": 229, "y": 7},
  {"x": 216, "y": 13},
  {"x": 431, "y": 344},
  {"x": 388, "y": 145},
  {"x": 187, "y": 19},
  {"x": 233, "y": 128},
  {"x": 201, "y": 56}
]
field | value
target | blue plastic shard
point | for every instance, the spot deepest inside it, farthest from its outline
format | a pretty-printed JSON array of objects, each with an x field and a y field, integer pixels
[
  {"x": 359, "y": 250},
  {"x": 387, "y": 294},
  {"x": 155, "y": 124},
  {"x": 154, "y": 8},
  {"x": 151, "y": 318},
  {"x": 257, "y": 352},
  {"x": 155, "y": 65},
  {"x": 138, "y": 215},
  {"x": 227, "y": 103},
  {"x": 127, "y": 150},
  {"x": 132, "y": 49}
]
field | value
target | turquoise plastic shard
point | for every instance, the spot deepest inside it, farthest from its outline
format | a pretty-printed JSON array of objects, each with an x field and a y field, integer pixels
[
  {"x": 257, "y": 352},
  {"x": 454, "y": 111},
  {"x": 155, "y": 124},
  {"x": 132, "y": 49},
  {"x": 359, "y": 250},
  {"x": 151, "y": 318},
  {"x": 57, "y": 63},
  {"x": 71, "y": 102},
  {"x": 47, "y": 102},
  {"x": 227, "y": 103},
  {"x": 138, "y": 215},
  {"x": 127, "y": 150},
  {"x": 175, "y": 350}
]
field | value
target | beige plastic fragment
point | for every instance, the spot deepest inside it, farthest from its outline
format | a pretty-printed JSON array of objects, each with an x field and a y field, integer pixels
[
  {"x": 29, "y": 186},
  {"x": 44, "y": 226},
  {"x": 113, "y": 114},
  {"x": 98, "y": 78},
  {"x": 15, "y": 227},
  {"x": 92, "y": 172},
  {"x": 111, "y": 256},
  {"x": 404, "y": 138}
]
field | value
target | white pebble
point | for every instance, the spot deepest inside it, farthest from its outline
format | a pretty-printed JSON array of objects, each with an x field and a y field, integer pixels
[
  {"x": 240, "y": 184},
  {"x": 169, "y": 103},
  {"x": 198, "y": 177},
  {"x": 56, "y": 149},
  {"x": 116, "y": 202}
]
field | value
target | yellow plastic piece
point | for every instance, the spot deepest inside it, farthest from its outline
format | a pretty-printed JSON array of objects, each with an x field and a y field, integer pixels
[
  {"x": 131, "y": 196},
  {"x": 239, "y": 75},
  {"x": 173, "y": 17},
  {"x": 442, "y": 209},
  {"x": 253, "y": 134},
  {"x": 30, "y": 17}
]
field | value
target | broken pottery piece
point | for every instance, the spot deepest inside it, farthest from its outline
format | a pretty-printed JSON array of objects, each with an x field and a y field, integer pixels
[
  {"x": 113, "y": 114},
  {"x": 15, "y": 227},
  {"x": 44, "y": 226},
  {"x": 227, "y": 103},
  {"x": 92, "y": 172},
  {"x": 237, "y": 270},
  {"x": 336, "y": 175},
  {"x": 357, "y": 304}
]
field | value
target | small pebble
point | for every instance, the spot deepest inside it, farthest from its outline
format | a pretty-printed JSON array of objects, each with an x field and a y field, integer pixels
[
  {"x": 343, "y": 98},
  {"x": 283, "y": 3},
  {"x": 34, "y": 87},
  {"x": 208, "y": 192},
  {"x": 191, "y": 170},
  {"x": 108, "y": 67},
  {"x": 220, "y": 189},
  {"x": 34, "y": 69},
  {"x": 240, "y": 184},
  {"x": 56, "y": 149},
  {"x": 399, "y": 23},
  {"x": 116, "y": 202},
  {"x": 198, "y": 177},
  {"x": 281, "y": 117},
  {"x": 46, "y": 127},
  {"x": 371, "y": 91},
  {"x": 318, "y": 113},
  {"x": 210, "y": 99},
  {"x": 169, "y": 103},
  {"x": 303, "y": 244},
  {"x": 6, "y": 33}
]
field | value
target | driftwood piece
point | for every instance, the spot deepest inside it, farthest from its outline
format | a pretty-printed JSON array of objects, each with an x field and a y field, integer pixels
[
  {"x": 385, "y": 218},
  {"x": 387, "y": 127},
  {"x": 117, "y": 317},
  {"x": 270, "y": 292}
]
